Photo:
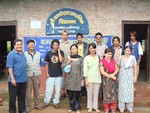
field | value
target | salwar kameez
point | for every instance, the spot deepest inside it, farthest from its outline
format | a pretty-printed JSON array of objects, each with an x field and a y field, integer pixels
[
  {"x": 109, "y": 89},
  {"x": 126, "y": 83}
]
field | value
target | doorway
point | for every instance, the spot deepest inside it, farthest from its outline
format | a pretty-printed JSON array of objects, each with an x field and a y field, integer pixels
[
  {"x": 7, "y": 36},
  {"x": 143, "y": 35}
]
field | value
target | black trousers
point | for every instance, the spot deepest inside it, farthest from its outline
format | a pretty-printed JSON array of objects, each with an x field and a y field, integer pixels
[
  {"x": 83, "y": 91},
  {"x": 18, "y": 91},
  {"x": 74, "y": 100}
]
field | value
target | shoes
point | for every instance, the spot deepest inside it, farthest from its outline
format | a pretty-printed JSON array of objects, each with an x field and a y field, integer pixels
[
  {"x": 69, "y": 110},
  {"x": 38, "y": 107},
  {"x": 28, "y": 110},
  {"x": 56, "y": 106},
  {"x": 106, "y": 111},
  {"x": 45, "y": 105},
  {"x": 24, "y": 112},
  {"x": 113, "y": 112},
  {"x": 89, "y": 110},
  {"x": 97, "y": 110},
  {"x": 78, "y": 111}
]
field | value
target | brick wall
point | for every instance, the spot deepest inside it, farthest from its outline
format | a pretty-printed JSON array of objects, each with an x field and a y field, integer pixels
[{"x": 105, "y": 16}]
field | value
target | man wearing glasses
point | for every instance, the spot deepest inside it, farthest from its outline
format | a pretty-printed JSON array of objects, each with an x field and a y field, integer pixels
[{"x": 100, "y": 47}]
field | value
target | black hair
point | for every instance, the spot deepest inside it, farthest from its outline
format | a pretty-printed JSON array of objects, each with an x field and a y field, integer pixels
[
  {"x": 116, "y": 37},
  {"x": 17, "y": 40},
  {"x": 107, "y": 50},
  {"x": 93, "y": 45},
  {"x": 127, "y": 47},
  {"x": 79, "y": 34},
  {"x": 98, "y": 33},
  {"x": 54, "y": 41},
  {"x": 30, "y": 41},
  {"x": 73, "y": 45},
  {"x": 65, "y": 31},
  {"x": 133, "y": 33}
]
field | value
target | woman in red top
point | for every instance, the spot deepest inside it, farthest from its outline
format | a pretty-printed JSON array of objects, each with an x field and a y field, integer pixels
[{"x": 109, "y": 71}]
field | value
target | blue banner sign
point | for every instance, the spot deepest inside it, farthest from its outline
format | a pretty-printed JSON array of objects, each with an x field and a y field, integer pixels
[
  {"x": 43, "y": 44},
  {"x": 68, "y": 19}
]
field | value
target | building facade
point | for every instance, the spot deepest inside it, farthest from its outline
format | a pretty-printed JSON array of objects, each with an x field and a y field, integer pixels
[{"x": 110, "y": 17}]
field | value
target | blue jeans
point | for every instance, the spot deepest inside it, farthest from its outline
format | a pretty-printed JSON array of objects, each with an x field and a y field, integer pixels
[{"x": 51, "y": 83}]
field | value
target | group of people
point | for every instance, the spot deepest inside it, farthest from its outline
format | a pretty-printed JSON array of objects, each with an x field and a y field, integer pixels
[{"x": 111, "y": 71}]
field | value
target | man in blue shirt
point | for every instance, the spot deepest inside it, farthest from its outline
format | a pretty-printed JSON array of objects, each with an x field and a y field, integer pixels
[{"x": 17, "y": 68}]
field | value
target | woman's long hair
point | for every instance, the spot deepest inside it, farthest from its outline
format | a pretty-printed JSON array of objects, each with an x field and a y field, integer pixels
[{"x": 93, "y": 45}]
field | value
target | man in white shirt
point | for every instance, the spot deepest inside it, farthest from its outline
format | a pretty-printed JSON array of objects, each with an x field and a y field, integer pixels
[
  {"x": 65, "y": 47},
  {"x": 100, "y": 47}
]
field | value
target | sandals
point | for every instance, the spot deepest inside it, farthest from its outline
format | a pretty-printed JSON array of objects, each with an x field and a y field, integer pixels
[
  {"x": 97, "y": 110},
  {"x": 69, "y": 110},
  {"x": 89, "y": 110},
  {"x": 121, "y": 112}
]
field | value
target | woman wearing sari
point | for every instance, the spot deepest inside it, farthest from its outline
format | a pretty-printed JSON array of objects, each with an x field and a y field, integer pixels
[{"x": 109, "y": 71}]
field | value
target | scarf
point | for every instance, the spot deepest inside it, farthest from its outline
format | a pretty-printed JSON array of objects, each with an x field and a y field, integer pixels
[
  {"x": 75, "y": 56},
  {"x": 110, "y": 66}
]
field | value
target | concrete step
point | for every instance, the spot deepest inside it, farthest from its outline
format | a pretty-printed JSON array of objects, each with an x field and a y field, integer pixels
[{"x": 142, "y": 94}]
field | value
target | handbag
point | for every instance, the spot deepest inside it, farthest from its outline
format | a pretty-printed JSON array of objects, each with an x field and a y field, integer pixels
[{"x": 67, "y": 68}]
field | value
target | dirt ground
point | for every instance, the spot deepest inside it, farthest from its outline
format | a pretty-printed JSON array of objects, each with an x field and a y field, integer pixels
[
  {"x": 50, "y": 109},
  {"x": 64, "y": 107},
  {"x": 61, "y": 110}
]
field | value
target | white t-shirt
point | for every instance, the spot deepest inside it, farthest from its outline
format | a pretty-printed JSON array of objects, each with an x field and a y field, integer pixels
[{"x": 140, "y": 51}]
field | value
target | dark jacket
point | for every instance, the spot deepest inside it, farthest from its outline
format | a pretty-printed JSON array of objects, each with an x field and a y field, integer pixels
[
  {"x": 85, "y": 48},
  {"x": 113, "y": 50}
]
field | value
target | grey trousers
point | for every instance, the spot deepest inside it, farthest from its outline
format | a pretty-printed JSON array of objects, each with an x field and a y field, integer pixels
[
  {"x": 33, "y": 83},
  {"x": 122, "y": 106},
  {"x": 92, "y": 95}
]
